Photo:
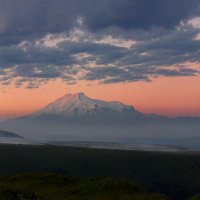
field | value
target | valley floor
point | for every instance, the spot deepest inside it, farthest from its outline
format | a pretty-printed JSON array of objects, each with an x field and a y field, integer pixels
[{"x": 177, "y": 175}]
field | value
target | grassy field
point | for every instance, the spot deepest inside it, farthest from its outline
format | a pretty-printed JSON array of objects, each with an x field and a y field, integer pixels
[
  {"x": 57, "y": 187},
  {"x": 175, "y": 175},
  {"x": 195, "y": 197}
]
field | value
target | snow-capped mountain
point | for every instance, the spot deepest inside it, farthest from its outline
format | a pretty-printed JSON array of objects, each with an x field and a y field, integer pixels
[
  {"x": 77, "y": 117},
  {"x": 79, "y": 105}
]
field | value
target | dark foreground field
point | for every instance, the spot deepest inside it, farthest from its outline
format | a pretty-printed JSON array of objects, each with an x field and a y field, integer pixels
[
  {"x": 173, "y": 174},
  {"x": 57, "y": 187}
]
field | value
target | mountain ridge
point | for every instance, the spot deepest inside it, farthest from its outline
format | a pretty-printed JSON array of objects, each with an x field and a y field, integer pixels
[
  {"x": 7, "y": 134},
  {"x": 79, "y": 105}
]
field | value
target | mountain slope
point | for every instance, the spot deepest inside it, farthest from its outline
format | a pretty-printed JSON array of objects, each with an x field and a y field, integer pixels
[{"x": 6, "y": 134}]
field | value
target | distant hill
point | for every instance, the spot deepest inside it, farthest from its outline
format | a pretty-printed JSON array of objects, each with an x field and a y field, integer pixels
[{"x": 6, "y": 134}]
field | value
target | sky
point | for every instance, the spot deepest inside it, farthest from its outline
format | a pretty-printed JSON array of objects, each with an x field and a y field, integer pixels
[{"x": 143, "y": 53}]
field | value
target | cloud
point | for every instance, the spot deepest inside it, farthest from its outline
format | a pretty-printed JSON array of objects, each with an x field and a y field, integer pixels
[
  {"x": 132, "y": 14},
  {"x": 28, "y": 19},
  {"x": 109, "y": 41}
]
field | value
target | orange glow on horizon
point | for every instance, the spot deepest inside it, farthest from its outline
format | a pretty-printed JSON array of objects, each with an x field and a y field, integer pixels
[{"x": 167, "y": 96}]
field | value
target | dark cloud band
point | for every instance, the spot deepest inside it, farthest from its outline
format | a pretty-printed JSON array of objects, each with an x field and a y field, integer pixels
[{"x": 106, "y": 40}]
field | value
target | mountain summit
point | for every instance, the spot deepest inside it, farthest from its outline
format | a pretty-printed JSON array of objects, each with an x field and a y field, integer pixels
[{"x": 71, "y": 105}]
